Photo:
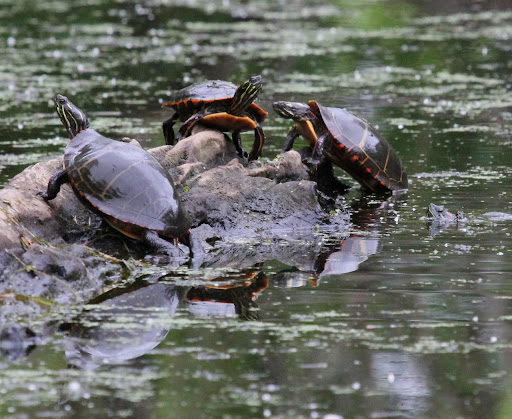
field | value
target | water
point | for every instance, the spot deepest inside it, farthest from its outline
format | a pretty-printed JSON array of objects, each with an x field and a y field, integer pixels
[{"x": 394, "y": 321}]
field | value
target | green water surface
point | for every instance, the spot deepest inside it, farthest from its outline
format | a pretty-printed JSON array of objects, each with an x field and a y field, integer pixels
[{"x": 394, "y": 321}]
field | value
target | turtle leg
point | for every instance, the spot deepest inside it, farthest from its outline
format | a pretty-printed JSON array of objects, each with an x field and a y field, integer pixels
[
  {"x": 167, "y": 128},
  {"x": 327, "y": 181},
  {"x": 57, "y": 179},
  {"x": 290, "y": 138},
  {"x": 318, "y": 150},
  {"x": 186, "y": 128},
  {"x": 259, "y": 140},
  {"x": 237, "y": 141},
  {"x": 152, "y": 239}
]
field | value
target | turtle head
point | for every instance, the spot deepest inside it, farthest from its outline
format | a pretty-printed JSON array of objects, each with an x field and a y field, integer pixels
[
  {"x": 292, "y": 110},
  {"x": 74, "y": 119},
  {"x": 246, "y": 94}
]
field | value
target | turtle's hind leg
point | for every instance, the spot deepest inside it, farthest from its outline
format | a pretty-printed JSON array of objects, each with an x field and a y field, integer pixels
[
  {"x": 167, "y": 127},
  {"x": 152, "y": 239}
]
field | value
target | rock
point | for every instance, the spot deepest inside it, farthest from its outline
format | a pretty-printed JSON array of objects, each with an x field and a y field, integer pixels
[{"x": 58, "y": 250}]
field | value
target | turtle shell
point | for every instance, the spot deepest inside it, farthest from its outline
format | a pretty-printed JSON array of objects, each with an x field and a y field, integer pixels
[
  {"x": 360, "y": 150},
  {"x": 125, "y": 184},
  {"x": 191, "y": 99}
]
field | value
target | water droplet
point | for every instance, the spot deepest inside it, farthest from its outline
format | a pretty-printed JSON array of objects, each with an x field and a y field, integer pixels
[
  {"x": 356, "y": 385},
  {"x": 391, "y": 378}
]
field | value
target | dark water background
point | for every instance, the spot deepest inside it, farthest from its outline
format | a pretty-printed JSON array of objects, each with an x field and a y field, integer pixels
[{"x": 394, "y": 321}]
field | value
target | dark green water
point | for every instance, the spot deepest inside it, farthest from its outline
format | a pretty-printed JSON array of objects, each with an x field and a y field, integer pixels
[{"x": 397, "y": 322}]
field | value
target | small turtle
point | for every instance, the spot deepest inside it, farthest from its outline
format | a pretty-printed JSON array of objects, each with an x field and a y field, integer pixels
[
  {"x": 221, "y": 105},
  {"x": 347, "y": 141},
  {"x": 123, "y": 183},
  {"x": 440, "y": 213}
]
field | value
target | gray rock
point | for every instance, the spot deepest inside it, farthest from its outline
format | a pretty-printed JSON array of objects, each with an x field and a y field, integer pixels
[{"x": 60, "y": 251}]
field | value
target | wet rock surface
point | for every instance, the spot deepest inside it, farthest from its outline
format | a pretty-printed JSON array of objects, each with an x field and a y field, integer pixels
[{"x": 62, "y": 252}]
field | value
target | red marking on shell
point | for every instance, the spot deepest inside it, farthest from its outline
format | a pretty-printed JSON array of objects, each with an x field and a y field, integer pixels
[
  {"x": 354, "y": 158},
  {"x": 368, "y": 170}
]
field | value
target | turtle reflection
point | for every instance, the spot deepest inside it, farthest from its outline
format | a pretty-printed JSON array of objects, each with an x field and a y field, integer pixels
[
  {"x": 342, "y": 255},
  {"x": 343, "y": 258},
  {"x": 126, "y": 323},
  {"x": 123, "y": 324},
  {"x": 232, "y": 300}
]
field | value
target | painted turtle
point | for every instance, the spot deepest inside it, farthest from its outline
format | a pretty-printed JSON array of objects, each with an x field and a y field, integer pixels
[
  {"x": 221, "y": 105},
  {"x": 346, "y": 140},
  {"x": 122, "y": 183},
  {"x": 440, "y": 213}
]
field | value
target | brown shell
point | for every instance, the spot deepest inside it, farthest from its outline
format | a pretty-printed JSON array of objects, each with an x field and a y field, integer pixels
[
  {"x": 359, "y": 149},
  {"x": 125, "y": 184},
  {"x": 215, "y": 93}
]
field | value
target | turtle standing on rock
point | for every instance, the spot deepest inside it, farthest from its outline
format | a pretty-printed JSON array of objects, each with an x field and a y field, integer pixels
[
  {"x": 122, "y": 183},
  {"x": 220, "y": 105},
  {"x": 347, "y": 141}
]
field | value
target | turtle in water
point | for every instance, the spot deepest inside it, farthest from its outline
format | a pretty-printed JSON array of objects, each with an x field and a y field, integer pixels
[
  {"x": 440, "y": 213},
  {"x": 438, "y": 218},
  {"x": 221, "y": 105},
  {"x": 122, "y": 183},
  {"x": 347, "y": 141}
]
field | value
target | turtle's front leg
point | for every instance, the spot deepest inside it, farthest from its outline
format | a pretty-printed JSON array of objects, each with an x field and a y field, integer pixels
[
  {"x": 290, "y": 138},
  {"x": 259, "y": 140},
  {"x": 318, "y": 150},
  {"x": 57, "y": 179},
  {"x": 168, "y": 130}
]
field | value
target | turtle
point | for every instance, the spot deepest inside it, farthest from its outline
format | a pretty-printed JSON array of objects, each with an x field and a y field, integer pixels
[
  {"x": 438, "y": 218},
  {"x": 122, "y": 183},
  {"x": 221, "y": 105},
  {"x": 347, "y": 141},
  {"x": 440, "y": 213}
]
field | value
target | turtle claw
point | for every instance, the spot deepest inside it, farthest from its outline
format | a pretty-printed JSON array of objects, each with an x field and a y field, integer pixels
[
  {"x": 43, "y": 195},
  {"x": 312, "y": 162}
]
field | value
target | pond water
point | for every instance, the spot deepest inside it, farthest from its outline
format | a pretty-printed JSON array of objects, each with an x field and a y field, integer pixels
[{"x": 393, "y": 320}]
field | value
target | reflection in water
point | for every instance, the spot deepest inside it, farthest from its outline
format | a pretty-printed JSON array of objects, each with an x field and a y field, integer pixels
[
  {"x": 121, "y": 327},
  {"x": 208, "y": 301},
  {"x": 341, "y": 256},
  {"x": 126, "y": 323},
  {"x": 17, "y": 341},
  {"x": 354, "y": 251}
]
